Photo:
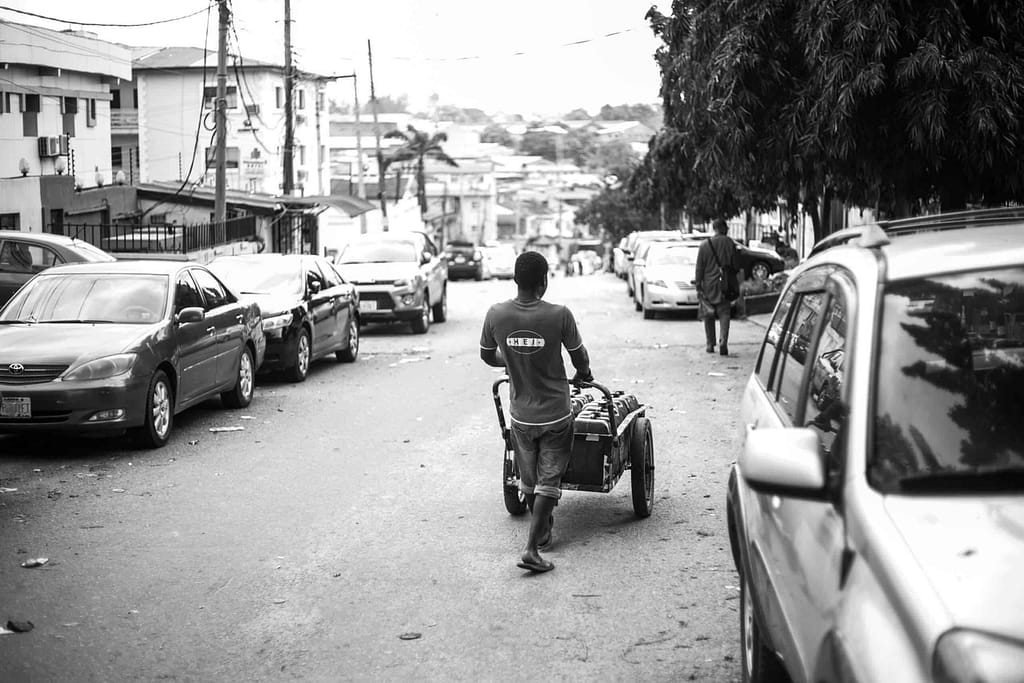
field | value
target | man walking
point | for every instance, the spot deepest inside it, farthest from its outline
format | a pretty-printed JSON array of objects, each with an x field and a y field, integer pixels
[
  {"x": 525, "y": 336},
  {"x": 715, "y": 256}
]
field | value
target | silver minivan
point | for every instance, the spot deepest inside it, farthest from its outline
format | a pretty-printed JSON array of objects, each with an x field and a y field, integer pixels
[{"x": 876, "y": 510}]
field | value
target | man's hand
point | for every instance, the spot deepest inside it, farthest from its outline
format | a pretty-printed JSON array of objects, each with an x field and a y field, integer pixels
[{"x": 583, "y": 376}]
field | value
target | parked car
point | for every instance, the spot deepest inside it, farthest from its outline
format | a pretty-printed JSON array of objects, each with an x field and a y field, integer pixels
[
  {"x": 499, "y": 262},
  {"x": 103, "y": 347},
  {"x": 309, "y": 311},
  {"x": 628, "y": 247},
  {"x": 23, "y": 254},
  {"x": 465, "y": 260},
  {"x": 667, "y": 279},
  {"x": 399, "y": 276},
  {"x": 756, "y": 263},
  {"x": 874, "y": 511},
  {"x": 619, "y": 258},
  {"x": 639, "y": 249}
]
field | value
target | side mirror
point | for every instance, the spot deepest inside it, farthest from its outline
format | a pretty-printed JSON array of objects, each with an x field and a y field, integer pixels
[
  {"x": 784, "y": 462},
  {"x": 192, "y": 314},
  {"x": 425, "y": 258},
  {"x": 314, "y": 286}
]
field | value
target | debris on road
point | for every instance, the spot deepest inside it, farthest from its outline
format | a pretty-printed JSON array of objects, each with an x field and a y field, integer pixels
[
  {"x": 5, "y": 489},
  {"x": 16, "y": 626},
  {"x": 716, "y": 374},
  {"x": 35, "y": 562},
  {"x": 217, "y": 430},
  {"x": 246, "y": 417},
  {"x": 280, "y": 601},
  {"x": 193, "y": 442},
  {"x": 117, "y": 490},
  {"x": 410, "y": 635}
]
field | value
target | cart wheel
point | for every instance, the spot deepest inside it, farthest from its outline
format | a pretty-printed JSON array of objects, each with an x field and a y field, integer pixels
[
  {"x": 641, "y": 465},
  {"x": 515, "y": 501}
]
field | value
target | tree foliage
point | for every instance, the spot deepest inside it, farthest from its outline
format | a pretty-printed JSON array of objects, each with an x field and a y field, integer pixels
[
  {"x": 386, "y": 104},
  {"x": 418, "y": 146},
  {"x": 614, "y": 211},
  {"x": 498, "y": 134},
  {"x": 627, "y": 112},
  {"x": 882, "y": 103}
]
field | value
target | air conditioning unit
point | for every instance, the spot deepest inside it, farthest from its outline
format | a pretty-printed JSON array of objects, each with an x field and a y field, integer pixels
[
  {"x": 252, "y": 110},
  {"x": 49, "y": 146}
]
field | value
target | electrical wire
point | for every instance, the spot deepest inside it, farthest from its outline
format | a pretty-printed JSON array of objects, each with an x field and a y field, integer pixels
[{"x": 86, "y": 23}]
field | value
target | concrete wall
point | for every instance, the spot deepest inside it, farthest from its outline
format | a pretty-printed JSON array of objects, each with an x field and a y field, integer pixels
[{"x": 21, "y": 196}]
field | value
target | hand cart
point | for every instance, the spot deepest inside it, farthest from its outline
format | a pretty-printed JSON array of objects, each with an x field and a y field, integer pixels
[{"x": 612, "y": 434}]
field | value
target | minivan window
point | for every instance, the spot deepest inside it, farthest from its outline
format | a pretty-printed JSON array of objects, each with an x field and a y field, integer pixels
[{"x": 950, "y": 384}]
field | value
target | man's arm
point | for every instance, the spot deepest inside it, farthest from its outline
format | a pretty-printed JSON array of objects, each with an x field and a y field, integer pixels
[
  {"x": 492, "y": 357},
  {"x": 581, "y": 361}
]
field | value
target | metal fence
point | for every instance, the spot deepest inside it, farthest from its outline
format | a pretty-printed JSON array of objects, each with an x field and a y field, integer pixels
[
  {"x": 162, "y": 239},
  {"x": 295, "y": 233}
]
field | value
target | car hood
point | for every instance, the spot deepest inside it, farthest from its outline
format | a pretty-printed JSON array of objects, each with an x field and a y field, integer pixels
[
  {"x": 274, "y": 303},
  {"x": 65, "y": 343},
  {"x": 971, "y": 550},
  {"x": 673, "y": 273},
  {"x": 368, "y": 273}
]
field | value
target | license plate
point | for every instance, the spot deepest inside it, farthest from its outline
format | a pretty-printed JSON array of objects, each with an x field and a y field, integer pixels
[
  {"x": 16, "y": 407},
  {"x": 367, "y": 306}
]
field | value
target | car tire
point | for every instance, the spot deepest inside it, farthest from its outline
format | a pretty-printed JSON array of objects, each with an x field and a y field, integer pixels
[
  {"x": 155, "y": 431},
  {"x": 759, "y": 664},
  {"x": 240, "y": 395},
  {"x": 350, "y": 352},
  {"x": 421, "y": 324},
  {"x": 641, "y": 467},
  {"x": 299, "y": 368},
  {"x": 440, "y": 309},
  {"x": 760, "y": 271}
]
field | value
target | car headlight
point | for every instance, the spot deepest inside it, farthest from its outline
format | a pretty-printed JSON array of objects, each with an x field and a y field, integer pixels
[
  {"x": 658, "y": 283},
  {"x": 102, "y": 368},
  {"x": 276, "y": 322},
  {"x": 963, "y": 656}
]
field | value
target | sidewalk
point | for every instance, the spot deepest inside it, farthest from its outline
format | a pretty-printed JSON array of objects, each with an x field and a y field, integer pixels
[{"x": 761, "y": 319}]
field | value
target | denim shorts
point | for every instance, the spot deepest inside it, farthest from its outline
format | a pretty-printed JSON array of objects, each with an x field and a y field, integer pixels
[{"x": 542, "y": 454}]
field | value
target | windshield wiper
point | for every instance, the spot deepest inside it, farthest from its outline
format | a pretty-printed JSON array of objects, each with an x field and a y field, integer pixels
[
  {"x": 999, "y": 479},
  {"x": 244, "y": 292},
  {"x": 76, "y": 320}
]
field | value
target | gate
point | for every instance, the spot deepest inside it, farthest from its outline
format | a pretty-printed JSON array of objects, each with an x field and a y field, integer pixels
[{"x": 295, "y": 233}]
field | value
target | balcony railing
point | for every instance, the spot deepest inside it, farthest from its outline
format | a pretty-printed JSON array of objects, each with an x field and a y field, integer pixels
[
  {"x": 124, "y": 119},
  {"x": 163, "y": 239}
]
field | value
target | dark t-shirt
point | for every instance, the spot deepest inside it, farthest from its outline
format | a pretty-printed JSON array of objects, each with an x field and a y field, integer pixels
[{"x": 530, "y": 337}]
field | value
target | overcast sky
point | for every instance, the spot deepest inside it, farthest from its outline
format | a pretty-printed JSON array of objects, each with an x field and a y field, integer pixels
[{"x": 510, "y": 57}]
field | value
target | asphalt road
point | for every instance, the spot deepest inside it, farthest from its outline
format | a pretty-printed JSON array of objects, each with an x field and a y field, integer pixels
[{"x": 364, "y": 505}]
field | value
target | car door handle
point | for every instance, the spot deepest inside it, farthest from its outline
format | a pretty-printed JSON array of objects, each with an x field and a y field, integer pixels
[
  {"x": 239, "y": 317},
  {"x": 211, "y": 330}
]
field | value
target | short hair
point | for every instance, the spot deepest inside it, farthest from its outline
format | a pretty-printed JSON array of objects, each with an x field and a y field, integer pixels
[
  {"x": 720, "y": 226},
  {"x": 531, "y": 269}
]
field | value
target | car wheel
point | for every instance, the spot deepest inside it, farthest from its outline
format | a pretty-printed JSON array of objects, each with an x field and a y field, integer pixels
[
  {"x": 159, "y": 418},
  {"x": 421, "y": 324},
  {"x": 641, "y": 466},
  {"x": 760, "y": 271},
  {"x": 241, "y": 394},
  {"x": 440, "y": 309},
  {"x": 759, "y": 663},
  {"x": 300, "y": 364},
  {"x": 349, "y": 353}
]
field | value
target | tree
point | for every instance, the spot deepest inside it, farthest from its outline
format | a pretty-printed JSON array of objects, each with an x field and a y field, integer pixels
[
  {"x": 418, "y": 146},
  {"x": 884, "y": 103},
  {"x": 609, "y": 155},
  {"x": 626, "y": 112},
  {"x": 578, "y": 115},
  {"x": 614, "y": 211},
  {"x": 389, "y": 105},
  {"x": 498, "y": 134}
]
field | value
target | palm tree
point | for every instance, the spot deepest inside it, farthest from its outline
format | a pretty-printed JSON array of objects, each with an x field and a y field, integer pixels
[{"x": 417, "y": 146}]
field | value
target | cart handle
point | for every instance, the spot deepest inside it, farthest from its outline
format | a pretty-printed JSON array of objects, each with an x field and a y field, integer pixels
[{"x": 612, "y": 423}]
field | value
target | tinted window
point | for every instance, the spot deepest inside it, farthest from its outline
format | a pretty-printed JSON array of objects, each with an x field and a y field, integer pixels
[
  {"x": 21, "y": 257},
  {"x": 186, "y": 294},
  {"x": 329, "y": 274},
  {"x": 312, "y": 274},
  {"x": 950, "y": 383},
  {"x": 379, "y": 252},
  {"x": 771, "y": 339},
  {"x": 825, "y": 411},
  {"x": 795, "y": 348},
  {"x": 212, "y": 290},
  {"x": 94, "y": 297}
]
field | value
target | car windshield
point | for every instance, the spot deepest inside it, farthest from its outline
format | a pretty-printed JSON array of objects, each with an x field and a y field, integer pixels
[
  {"x": 384, "y": 251},
  {"x": 90, "y": 298},
  {"x": 91, "y": 253},
  {"x": 674, "y": 256},
  {"x": 260, "y": 276},
  {"x": 950, "y": 383}
]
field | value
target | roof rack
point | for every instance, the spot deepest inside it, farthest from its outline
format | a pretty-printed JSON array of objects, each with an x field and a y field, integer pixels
[{"x": 952, "y": 221}]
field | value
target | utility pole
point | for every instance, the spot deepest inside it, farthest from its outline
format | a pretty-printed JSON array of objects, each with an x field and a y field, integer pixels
[
  {"x": 360, "y": 186},
  {"x": 220, "y": 209},
  {"x": 381, "y": 190},
  {"x": 287, "y": 185}
]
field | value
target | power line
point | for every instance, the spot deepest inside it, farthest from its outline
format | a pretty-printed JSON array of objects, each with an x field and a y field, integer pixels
[{"x": 86, "y": 23}]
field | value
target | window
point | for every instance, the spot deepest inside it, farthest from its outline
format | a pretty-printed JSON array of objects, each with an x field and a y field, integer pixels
[
  {"x": 10, "y": 221},
  {"x": 795, "y": 348},
  {"x": 115, "y": 99},
  {"x": 279, "y": 97},
  {"x": 12, "y": 103},
  {"x": 230, "y": 96},
  {"x": 331, "y": 276},
  {"x": 302, "y": 155},
  {"x": 90, "y": 113},
  {"x": 30, "y": 115},
  {"x": 135, "y": 98},
  {"x": 20, "y": 257},
  {"x": 231, "y": 157},
  {"x": 115, "y": 157},
  {"x": 186, "y": 294},
  {"x": 771, "y": 340},
  {"x": 825, "y": 411},
  {"x": 212, "y": 290},
  {"x": 314, "y": 278},
  {"x": 301, "y": 95},
  {"x": 69, "y": 105}
]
